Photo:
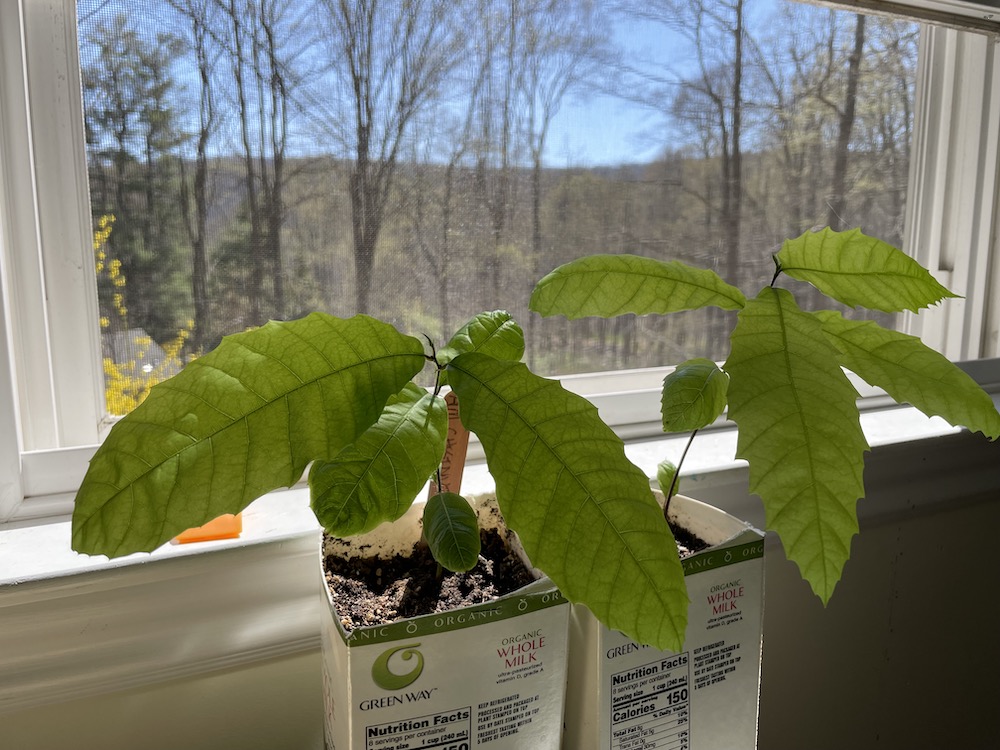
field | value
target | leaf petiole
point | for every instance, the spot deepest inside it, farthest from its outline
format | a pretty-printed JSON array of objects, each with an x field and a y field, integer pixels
[{"x": 676, "y": 477}]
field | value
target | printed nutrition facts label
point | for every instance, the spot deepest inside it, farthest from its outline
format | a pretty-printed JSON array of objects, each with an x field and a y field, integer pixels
[
  {"x": 449, "y": 730},
  {"x": 650, "y": 706}
]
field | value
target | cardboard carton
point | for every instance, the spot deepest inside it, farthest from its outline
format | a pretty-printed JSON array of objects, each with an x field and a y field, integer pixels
[
  {"x": 624, "y": 696},
  {"x": 491, "y": 675}
]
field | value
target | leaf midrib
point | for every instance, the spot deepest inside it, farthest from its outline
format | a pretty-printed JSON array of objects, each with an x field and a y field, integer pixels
[
  {"x": 811, "y": 487},
  {"x": 576, "y": 478},
  {"x": 827, "y": 272},
  {"x": 648, "y": 278},
  {"x": 210, "y": 436}
]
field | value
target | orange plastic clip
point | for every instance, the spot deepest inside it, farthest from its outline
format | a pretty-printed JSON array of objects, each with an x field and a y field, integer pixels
[{"x": 223, "y": 527}]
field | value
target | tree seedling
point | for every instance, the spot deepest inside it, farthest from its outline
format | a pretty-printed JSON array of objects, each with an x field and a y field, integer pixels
[
  {"x": 784, "y": 381},
  {"x": 338, "y": 396}
]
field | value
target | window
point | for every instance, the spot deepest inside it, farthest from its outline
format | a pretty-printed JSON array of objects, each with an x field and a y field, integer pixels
[
  {"x": 500, "y": 173},
  {"x": 246, "y": 161}
]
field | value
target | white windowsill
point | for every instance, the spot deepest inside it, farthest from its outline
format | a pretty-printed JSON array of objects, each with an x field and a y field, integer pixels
[
  {"x": 76, "y": 625},
  {"x": 43, "y": 551},
  {"x": 37, "y": 551}
]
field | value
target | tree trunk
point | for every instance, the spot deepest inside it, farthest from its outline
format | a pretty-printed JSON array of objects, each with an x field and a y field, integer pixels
[
  {"x": 250, "y": 175},
  {"x": 734, "y": 186},
  {"x": 199, "y": 253},
  {"x": 279, "y": 127},
  {"x": 838, "y": 200},
  {"x": 365, "y": 224}
]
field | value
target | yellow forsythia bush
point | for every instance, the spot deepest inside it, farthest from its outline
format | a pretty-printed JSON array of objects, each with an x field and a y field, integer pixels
[{"x": 126, "y": 384}]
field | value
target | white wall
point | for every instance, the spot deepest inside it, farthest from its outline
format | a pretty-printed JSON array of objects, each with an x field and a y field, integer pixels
[
  {"x": 271, "y": 705},
  {"x": 905, "y": 655}
]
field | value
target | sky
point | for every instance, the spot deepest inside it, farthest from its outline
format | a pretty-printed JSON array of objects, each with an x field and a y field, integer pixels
[
  {"x": 594, "y": 128},
  {"x": 608, "y": 130},
  {"x": 605, "y": 129}
]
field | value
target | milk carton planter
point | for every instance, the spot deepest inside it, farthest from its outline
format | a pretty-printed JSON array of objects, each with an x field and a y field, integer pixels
[
  {"x": 491, "y": 675},
  {"x": 622, "y": 695},
  {"x": 339, "y": 397}
]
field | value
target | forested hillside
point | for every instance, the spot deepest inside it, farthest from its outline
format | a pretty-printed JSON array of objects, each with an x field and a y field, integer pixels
[{"x": 264, "y": 158}]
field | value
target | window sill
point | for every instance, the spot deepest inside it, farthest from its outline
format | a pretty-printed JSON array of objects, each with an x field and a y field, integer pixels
[
  {"x": 87, "y": 626},
  {"x": 42, "y": 551},
  {"x": 75, "y": 625},
  {"x": 34, "y": 550}
]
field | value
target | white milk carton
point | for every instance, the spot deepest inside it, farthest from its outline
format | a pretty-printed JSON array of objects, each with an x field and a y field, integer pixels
[
  {"x": 490, "y": 676},
  {"x": 623, "y": 696}
]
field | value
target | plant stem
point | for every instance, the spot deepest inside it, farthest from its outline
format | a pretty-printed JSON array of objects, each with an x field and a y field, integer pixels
[
  {"x": 677, "y": 474},
  {"x": 777, "y": 269}
]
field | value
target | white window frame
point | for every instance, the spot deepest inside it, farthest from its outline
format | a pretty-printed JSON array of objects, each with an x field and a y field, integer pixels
[
  {"x": 954, "y": 192},
  {"x": 978, "y": 15},
  {"x": 49, "y": 289},
  {"x": 51, "y": 383}
]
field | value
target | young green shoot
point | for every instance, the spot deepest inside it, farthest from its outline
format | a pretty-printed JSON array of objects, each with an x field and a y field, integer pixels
[{"x": 783, "y": 382}]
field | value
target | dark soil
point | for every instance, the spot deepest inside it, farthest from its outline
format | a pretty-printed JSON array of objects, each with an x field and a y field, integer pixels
[
  {"x": 687, "y": 543},
  {"x": 375, "y": 591}
]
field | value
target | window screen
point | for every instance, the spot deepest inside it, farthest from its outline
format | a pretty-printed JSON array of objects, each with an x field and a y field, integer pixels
[{"x": 422, "y": 161}]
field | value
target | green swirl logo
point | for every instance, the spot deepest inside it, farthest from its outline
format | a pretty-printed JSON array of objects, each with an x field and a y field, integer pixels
[{"x": 386, "y": 679}]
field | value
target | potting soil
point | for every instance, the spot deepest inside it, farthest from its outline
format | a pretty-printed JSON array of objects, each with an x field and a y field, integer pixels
[{"x": 376, "y": 591}]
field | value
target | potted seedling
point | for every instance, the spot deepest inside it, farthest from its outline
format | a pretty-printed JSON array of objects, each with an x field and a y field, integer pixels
[
  {"x": 338, "y": 396},
  {"x": 784, "y": 386}
]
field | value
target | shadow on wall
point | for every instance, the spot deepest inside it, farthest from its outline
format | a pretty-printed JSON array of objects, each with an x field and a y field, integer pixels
[{"x": 905, "y": 654}]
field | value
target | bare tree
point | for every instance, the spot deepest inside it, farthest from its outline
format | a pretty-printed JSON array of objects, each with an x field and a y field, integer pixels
[
  {"x": 450, "y": 135},
  {"x": 720, "y": 26},
  {"x": 794, "y": 67},
  {"x": 497, "y": 113},
  {"x": 388, "y": 60},
  {"x": 716, "y": 35},
  {"x": 564, "y": 42},
  {"x": 845, "y": 124},
  {"x": 273, "y": 74},
  {"x": 890, "y": 83},
  {"x": 258, "y": 40},
  {"x": 199, "y": 14},
  {"x": 842, "y": 87}
]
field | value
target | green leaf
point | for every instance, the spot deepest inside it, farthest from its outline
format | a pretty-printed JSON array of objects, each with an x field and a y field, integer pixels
[
  {"x": 609, "y": 285},
  {"x": 911, "y": 372},
  {"x": 240, "y": 421},
  {"x": 694, "y": 395},
  {"x": 376, "y": 478},
  {"x": 494, "y": 333},
  {"x": 858, "y": 270},
  {"x": 665, "y": 472},
  {"x": 800, "y": 432},
  {"x": 584, "y": 513},
  {"x": 452, "y": 531}
]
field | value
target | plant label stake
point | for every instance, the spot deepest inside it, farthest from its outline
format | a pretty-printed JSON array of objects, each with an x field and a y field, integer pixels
[{"x": 449, "y": 478}]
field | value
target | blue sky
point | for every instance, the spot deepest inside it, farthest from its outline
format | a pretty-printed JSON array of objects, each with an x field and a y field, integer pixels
[
  {"x": 602, "y": 132},
  {"x": 606, "y": 130},
  {"x": 603, "y": 129}
]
